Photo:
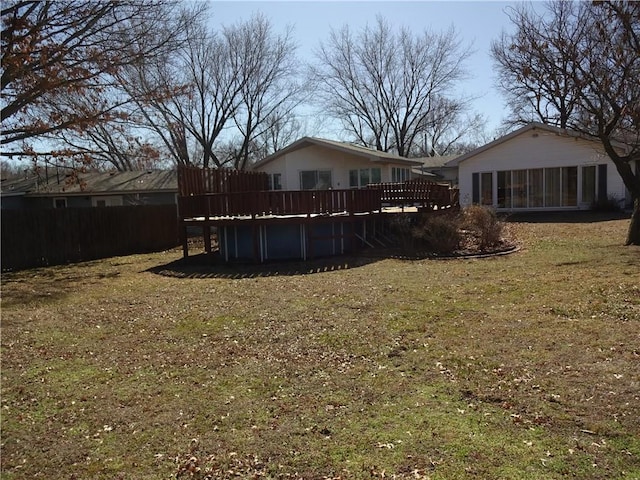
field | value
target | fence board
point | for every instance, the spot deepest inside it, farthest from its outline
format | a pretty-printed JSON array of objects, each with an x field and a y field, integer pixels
[
  {"x": 198, "y": 181},
  {"x": 34, "y": 238}
]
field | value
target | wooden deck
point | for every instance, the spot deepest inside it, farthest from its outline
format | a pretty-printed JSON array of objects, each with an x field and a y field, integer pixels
[
  {"x": 279, "y": 203},
  {"x": 230, "y": 199}
]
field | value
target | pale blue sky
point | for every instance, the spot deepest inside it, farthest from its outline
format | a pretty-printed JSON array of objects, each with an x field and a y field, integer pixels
[{"x": 477, "y": 23}]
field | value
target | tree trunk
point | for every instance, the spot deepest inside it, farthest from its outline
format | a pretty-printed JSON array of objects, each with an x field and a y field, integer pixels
[{"x": 633, "y": 235}]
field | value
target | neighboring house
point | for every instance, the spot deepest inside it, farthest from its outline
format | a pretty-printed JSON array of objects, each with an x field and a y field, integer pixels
[
  {"x": 442, "y": 169},
  {"x": 539, "y": 167},
  {"x": 318, "y": 164},
  {"x": 93, "y": 189}
]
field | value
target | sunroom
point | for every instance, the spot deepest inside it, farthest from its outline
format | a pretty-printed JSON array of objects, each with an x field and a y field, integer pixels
[
  {"x": 539, "y": 167},
  {"x": 534, "y": 188}
]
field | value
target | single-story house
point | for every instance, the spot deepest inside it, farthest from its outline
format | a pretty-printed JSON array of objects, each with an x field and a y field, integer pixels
[
  {"x": 439, "y": 168},
  {"x": 540, "y": 167},
  {"x": 319, "y": 164},
  {"x": 92, "y": 189}
]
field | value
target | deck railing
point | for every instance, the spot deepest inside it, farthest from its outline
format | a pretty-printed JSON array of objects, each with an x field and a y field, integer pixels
[
  {"x": 280, "y": 202},
  {"x": 417, "y": 192},
  {"x": 200, "y": 181},
  {"x": 230, "y": 193}
]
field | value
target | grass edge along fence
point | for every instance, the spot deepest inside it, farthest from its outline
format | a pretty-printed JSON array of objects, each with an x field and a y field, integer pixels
[{"x": 36, "y": 238}]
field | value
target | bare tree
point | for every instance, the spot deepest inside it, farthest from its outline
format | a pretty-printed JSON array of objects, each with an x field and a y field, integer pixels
[
  {"x": 270, "y": 90},
  {"x": 583, "y": 75},
  {"x": 451, "y": 129},
  {"x": 384, "y": 86},
  {"x": 281, "y": 129},
  {"x": 52, "y": 49},
  {"x": 117, "y": 140},
  {"x": 541, "y": 57},
  {"x": 210, "y": 100}
]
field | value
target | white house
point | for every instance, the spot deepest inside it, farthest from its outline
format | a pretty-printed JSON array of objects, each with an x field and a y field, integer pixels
[
  {"x": 318, "y": 164},
  {"x": 539, "y": 167}
]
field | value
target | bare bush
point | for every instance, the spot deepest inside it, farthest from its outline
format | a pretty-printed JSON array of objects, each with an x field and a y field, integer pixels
[
  {"x": 483, "y": 223},
  {"x": 439, "y": 233}
]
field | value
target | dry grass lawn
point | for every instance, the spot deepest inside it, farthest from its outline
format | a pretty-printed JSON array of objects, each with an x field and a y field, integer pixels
[{"x": 519, "y": 366}]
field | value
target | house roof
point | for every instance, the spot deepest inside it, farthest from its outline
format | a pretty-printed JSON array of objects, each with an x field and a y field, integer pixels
[
  {"x": 520, "y": 131},
  {"x": 369, "y": 153},
  {"x": 438, "y": 161},
  {"x": 93, "y": 182}
]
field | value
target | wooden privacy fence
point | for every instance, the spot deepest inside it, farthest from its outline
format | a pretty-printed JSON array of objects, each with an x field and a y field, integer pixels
[
  {"x": 199, "y": 181},
  {"x": 280, "y": 202},
  {"x": 418, "y": 192},
  {"x": 33, "y": 238}
]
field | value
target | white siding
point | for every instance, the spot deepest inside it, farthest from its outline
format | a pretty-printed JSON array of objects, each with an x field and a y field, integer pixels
[
  {"x": 538, "y": 149},
  {"x": 318, "y": 158}
]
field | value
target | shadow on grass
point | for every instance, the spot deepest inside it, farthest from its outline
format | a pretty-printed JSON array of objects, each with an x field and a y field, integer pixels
[
  {"x": 564, "y": 217},
  {"x": 211, "y": 266}
]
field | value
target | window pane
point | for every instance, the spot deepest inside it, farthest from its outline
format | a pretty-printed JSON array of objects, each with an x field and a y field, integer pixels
[
  {"x": 324, "y": 180},
  {"x": 376, "y": 175},
  {"x": 519, "y": 188},
  {"x": 588, "y": 184},
  {"x": 308, "y": 179},
  {"x": 552, "y": 187},
  {"x": 487, "y": 188},
  {"x": 504, "y": 189},
  {"x": 536, "y": 191},
  {"x": 277, "y": 181},
  {"x": 475, "y": 188},
  {"x": 353, "y": 178},
  {"x": 569, "y": 186},
  {"x": 364, "y": 177}
]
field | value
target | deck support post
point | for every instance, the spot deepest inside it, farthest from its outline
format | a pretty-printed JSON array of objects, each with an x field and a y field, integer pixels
[
  {"x": 206, "y": 233},
  {"x": 185, "y": 240}
]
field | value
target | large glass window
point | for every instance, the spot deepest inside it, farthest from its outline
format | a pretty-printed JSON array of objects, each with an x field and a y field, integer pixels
[
  {"x": 569, "y": 186},
  {"x": 552, "y": 187},
  {"x": 519, "y": 189},
  {"x": 504, "y": 189},
  {"x": 588, "y": 184},
  {"x": 399, "y": 174},
  {"x": 486, "y": 188},
  {"x": 536, "y": 187},
  {"x": 364, "y": 176},
  {"x": 315, "y": 179}
]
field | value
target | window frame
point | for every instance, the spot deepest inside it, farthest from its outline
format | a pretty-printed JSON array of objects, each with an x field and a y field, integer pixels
[
  {"x": 274, "y": 181},
  {"x": 357, "y": 175},
  {"x": 555, "y": 187},
  {"x": 400, "y": 174},
  {"x": 317, "y": 174}
]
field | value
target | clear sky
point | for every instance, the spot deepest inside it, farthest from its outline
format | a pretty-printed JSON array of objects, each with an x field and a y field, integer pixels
[{"x": 477, "y": 23}]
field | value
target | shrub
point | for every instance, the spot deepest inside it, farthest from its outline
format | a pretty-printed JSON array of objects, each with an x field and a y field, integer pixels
[
  {"x": 439, "y": 233},
  {"x": 608, "y": 204},
  {"x": 484, "y": 224}
]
